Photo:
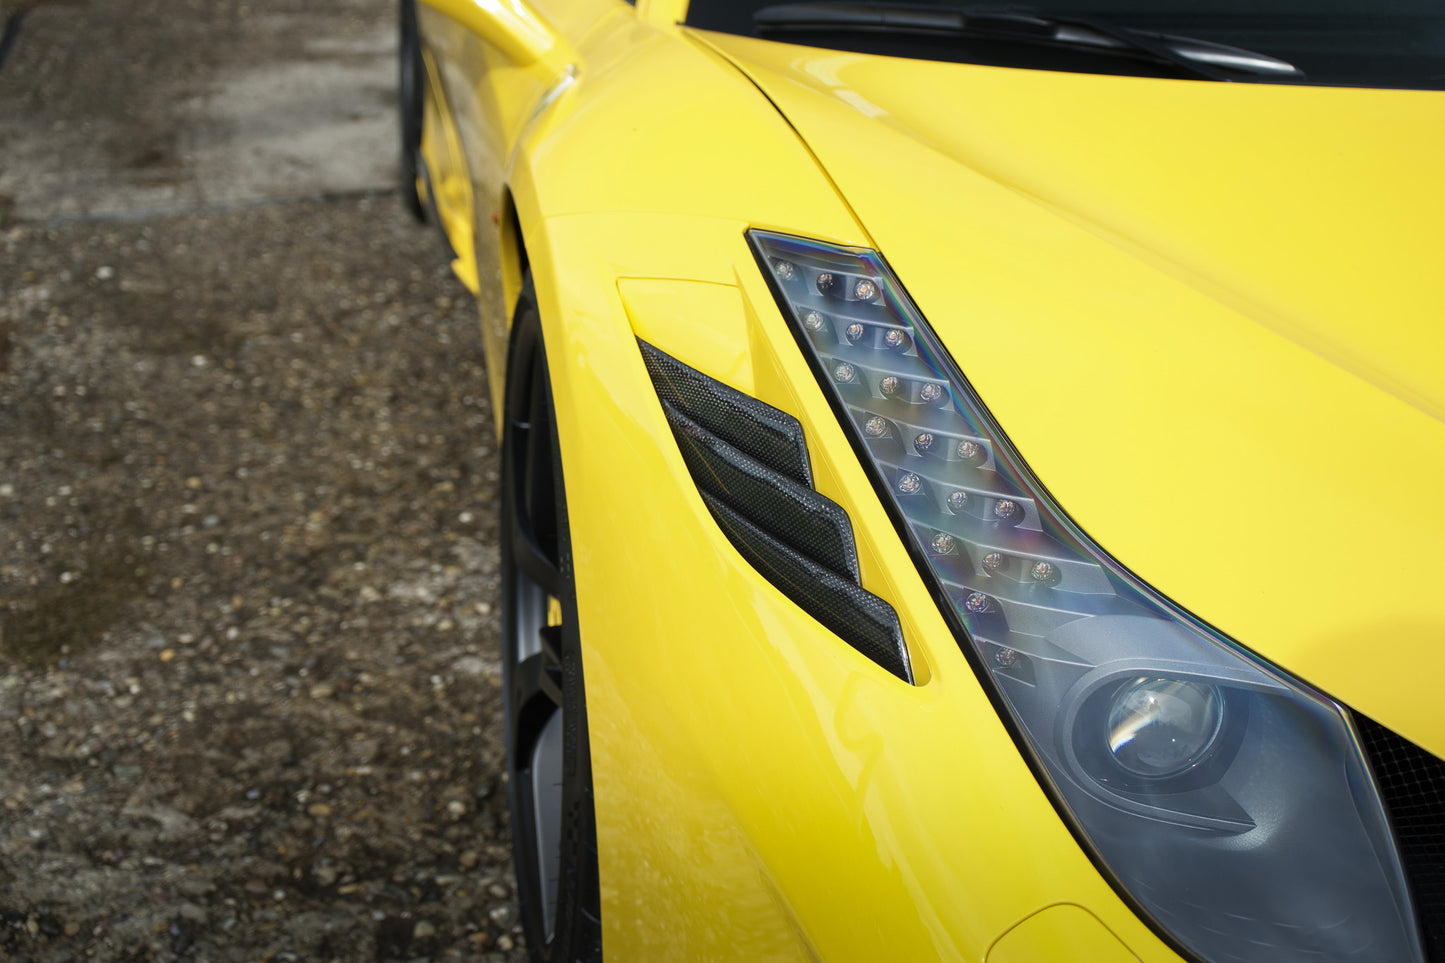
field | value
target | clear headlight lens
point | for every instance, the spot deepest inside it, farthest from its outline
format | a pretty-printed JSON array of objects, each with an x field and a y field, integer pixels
[
  {"x": 1231, "y": 802},
  {"x": 1163, "y": 727}
]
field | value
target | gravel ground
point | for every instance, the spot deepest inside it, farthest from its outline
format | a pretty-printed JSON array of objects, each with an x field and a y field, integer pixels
[
  {"x": 128, "y": 105},
  {"x": 249, "y": 685}
]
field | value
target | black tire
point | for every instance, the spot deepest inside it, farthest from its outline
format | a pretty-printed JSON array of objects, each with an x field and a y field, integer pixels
[
  {"x": 411, "y": 89},
  {"x": 549, "y": 767}
]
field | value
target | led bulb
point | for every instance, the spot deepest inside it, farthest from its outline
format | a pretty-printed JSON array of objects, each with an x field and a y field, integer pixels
[
  {"x": 889, "y": 386},
  {"x": 923, "y": 442},
  {"x": 978, "y": 603},
  {"x": 943, "y": 543},
  {"x": 896, "y": 339},
  {"x": 1006, "y": 658},
  {"x": 957, "y": 500},
  {"x": 1043, "y": 572},
  {"x": 844, "y": 372},
  {"x": 910, "y": 484},
  {"x": 814, "y": 321},
  {"x": 864, "y": 289},
  {"x": 931, "y": 392},
  {"x": 1005, "y": 508},
  {"x": 969, "y": 450},
  {"x": 992, "y": 562},
  {"x": 825, "y": 282},
  {"x": 854, "y": 332},
  {"x": 785, "y": 270},
  {"x": 875, "y": 427}
]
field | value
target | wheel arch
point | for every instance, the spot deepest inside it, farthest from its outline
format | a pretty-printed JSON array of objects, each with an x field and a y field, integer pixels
[{"x": 512, "y": 248}]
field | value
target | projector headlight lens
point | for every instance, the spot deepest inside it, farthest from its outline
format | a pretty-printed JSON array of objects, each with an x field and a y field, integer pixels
[{"x": 1162, "y": 727}]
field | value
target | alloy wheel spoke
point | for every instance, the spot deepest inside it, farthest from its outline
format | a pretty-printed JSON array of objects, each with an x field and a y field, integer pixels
[
  {"x": 531, "y": 559},
  {"x": 551, "y": 638},
  {"x": 529, "y": 551},
  {"x": 535, "y": 678}
]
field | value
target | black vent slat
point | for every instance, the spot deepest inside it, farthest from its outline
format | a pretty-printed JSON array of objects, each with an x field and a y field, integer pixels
[
  {"x": 750, "y": 463},
  {"x": 865, "y": 620},
  {"x": 1412, "y": 785},
  {"x": 773, "y": 437},
  {"x": 799, "y": 517}
]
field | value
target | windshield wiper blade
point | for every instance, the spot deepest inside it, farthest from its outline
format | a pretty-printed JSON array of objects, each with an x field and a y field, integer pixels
[{"x": 1215, "y": 61}]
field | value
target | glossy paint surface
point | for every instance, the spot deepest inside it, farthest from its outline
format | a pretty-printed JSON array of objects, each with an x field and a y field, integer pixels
[
  {"x": 1130, "y": 300},
  {"x": 1061, "y": 932},
  {"x": 1208, "y": 315}
]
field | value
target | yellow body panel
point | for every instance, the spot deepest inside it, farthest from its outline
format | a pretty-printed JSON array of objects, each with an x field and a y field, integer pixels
[
  {"x": 763, "y": 791},
  {"x": 738, "y": 747},
  {"x": 1060, "y": 933},
  {"x": 450, "y": 183},
  {"x": 514, "y": 28},
  {"x": 1208, "y": 315},
  {"x": 492, "y": 97}
]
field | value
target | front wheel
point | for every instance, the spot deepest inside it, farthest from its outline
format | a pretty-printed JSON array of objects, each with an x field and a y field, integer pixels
[{"x": 554, "y": 834}]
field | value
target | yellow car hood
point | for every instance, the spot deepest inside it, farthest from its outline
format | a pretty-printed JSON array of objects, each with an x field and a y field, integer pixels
[{"x": 1209, "y": 315}]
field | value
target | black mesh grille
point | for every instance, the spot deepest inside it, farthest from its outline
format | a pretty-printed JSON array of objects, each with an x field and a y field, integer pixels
[
  {"x": 1412, "y": 784},
  {"x": 771, "y": 436},
  {"x": 865, "y": 620},
  {"x": 750, "y": 463},
  {"x": 797, "y": 516}
]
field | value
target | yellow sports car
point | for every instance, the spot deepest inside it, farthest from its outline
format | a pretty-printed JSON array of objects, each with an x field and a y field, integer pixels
[{"x": 971, "y": 475}]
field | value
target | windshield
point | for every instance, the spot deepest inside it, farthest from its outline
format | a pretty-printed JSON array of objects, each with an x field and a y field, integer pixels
[{"x": 1367, "y": 43}]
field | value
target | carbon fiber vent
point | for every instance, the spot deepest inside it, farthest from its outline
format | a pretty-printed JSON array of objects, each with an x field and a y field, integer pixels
[
  {"x": 750, "y": 462},
  {"x": 770, "y": 436},
  {"x": 1412, "y": 784}
]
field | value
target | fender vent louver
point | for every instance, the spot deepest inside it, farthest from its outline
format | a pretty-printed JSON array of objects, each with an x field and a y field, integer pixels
[
  {"x": 1412, "y": 786},
  {"x": 750, "y": 462}
]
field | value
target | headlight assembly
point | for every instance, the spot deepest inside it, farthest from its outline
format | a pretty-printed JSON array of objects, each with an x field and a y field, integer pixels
[{"x": 1231, "y": 802}]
